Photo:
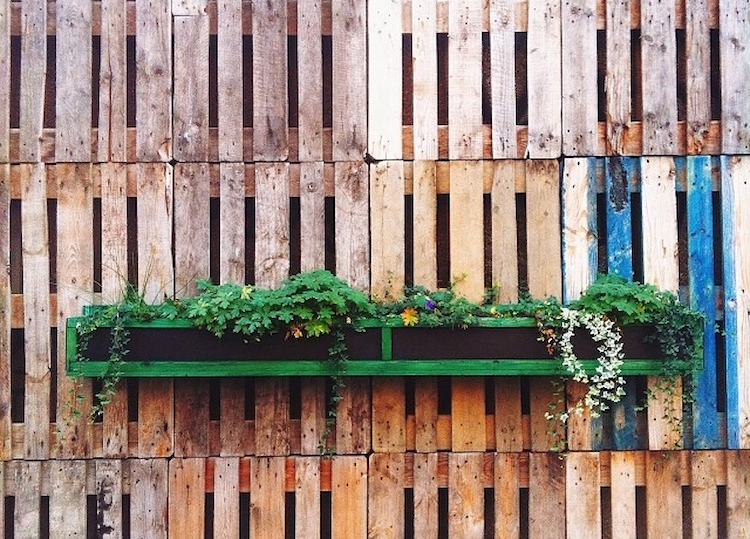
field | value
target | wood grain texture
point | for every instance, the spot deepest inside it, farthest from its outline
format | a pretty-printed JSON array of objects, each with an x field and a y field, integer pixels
[
  {"x": 353, "y": 418},
  {"x": 508, "y": 418},
  {"x": 5, "y": 316},
  {"x": 468, "y": 429},
  {"x": 467, "y": 228},
  {"x": 232, "y": 223},
  {"x": 190, "y": 92},
  {"x": 507, "y": 496},
  {"x": 618, "y": 75},
  {"x": 503, "y": 81},
  {"x": 67, "y": 503},
  {"x": 388, "y": 415},
  {"x": 26, "y": 517},
  {"x": 349, "y": 497},
  {"x": 579, "y": 228},
  {"x": 187, "y": 481},
  {"x": 155, "y": 417},
  {"x": 109, "y": 506},
  {"x": 664, "y": 501},
  {"x": 352, "y": 223},
  {"x": 33, "y": 83},
  {"x": 4, "y": 86},
  {"x": 310, "y": 80},
  {"x": 735, "y": 107},
  {"x": 424, "y": 227},
  {"x": 191, "y": 226},
  {"x": 704, "y": 471},
  {"x": 425, "y": 495},
  {"x": 229, "y": 79},
  {"x": 272, "y": 253},
  {"x": 466, "y": 495},
  {"x": 112, "y": 122},
  {"x": 191, "y": 418},
  {"x": 698, "y": 52},
  {"x": 465, "y": 79},
  {"x": 582, "y": 478},
  {"x": 426, "y": 414},
  {"x": 385, "y": 496},
  {"x": 547, "y": 485},
  {"x": 313, "y": 414},
  {"x": 312, "y": 216},
  {"x": 149, "y": 490},
  {"x": 307, "y": 497},
  {"x": 387, "y": 248},
  {"x": 272, "y": 416},
  {"x": 504, "y": 231},
  {"x": 189, "y": 7},
  {"x": 425, "y": 80},
  {"x": 155, "y": 214},
  {"x": 233, "y": 435},
  {"x": 544, "y": 397},
  {"x": 226, "y": 515},
  {"x": 543, "y": 228},
  {"x": 622, "y": 470},
  {"x": 270, "y": 85},
  {"x": 738, "y": 493}
]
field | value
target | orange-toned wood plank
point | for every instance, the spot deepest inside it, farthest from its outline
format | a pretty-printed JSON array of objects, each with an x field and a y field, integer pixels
[
  {"x": 504, "y": 231},
  {"x": 385, "y": 495},
  {"x": 466, "y": 495},
  {"x": 387, "y": 229},
  {"x": 507, "y": 495},
  {"x": 508, "y": 427},
  {"x": 546, "y": 396},
  {"x": 704, "y": 475},
  {"x": 272, "y": 435},
  {"x": 468, "y": 413},
  {"x": 583, "y": 494},
  {"x": 664, "y": 498},
  {"x": 467, "y": 228},
  {"x": 543, "y": 228},
  {"x": 349, "y": 497},
  {"x": 353, "y": 417},
  {"x": 187, "y": 497},
  {"x": 307, "y": 487},
  {"x": 547, "y": 486},
  {"x": 226, "y": 484},
  {"x": 425, "y": 494},
  {"x": 426, "y": 414},
  {"x": 388, "y": 414}
]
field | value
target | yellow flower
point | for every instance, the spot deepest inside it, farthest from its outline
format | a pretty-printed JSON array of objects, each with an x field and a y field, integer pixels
[{"x": 410, "y": 316}]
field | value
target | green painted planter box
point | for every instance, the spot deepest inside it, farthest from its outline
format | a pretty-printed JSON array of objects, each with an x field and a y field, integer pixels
[{"x": 496, "y": 346}]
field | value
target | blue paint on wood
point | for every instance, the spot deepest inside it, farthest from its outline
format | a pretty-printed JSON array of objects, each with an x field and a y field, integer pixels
[
  {"x": 730, "y": 304},
  {"x": 702, "y": 296}
]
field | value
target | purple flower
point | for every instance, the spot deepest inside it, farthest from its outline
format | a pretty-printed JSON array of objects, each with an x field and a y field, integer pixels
[{"x": 429, "y": 304}]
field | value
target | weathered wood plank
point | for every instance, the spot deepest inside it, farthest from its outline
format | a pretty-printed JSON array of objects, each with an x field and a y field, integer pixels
[
  {"x": 349, "y": 79},
  {"x": 28, "y": 482},
  {"x": 385, "y": 496},
  {"x": 5, "y": 315},
  {"x": 226, "y": 515},
  {"x": 468, "y": 429},
  {"x": 547, "y": 505},
  {"x": 465, "y": 79},
  {"x": 425, "y": 80},
  {"x": 112, "y": 125},
  {"x": 698, "y": 53},
  {"x": 349, "y": 497},
  {"x": 109, "y": 480},
  {"x": 232, "y": 428},
  {"x": 384, "y": 79},
  {"x": 312, "y": 216},
  {"x": 270, "y": 86},
  {"x": 272, "y": 425},
  {"x": 313, "y": 415},
  {"x": 73, "y": 92},
  {"x": 191, "y": 226},
  {"x": 545, "y": 396},
  {"x": 352, "y": 223},
  {"x": 424, "y": 225},
  {"x": 272, "y": 255},
  {"x": 466, "y": 495},
  {"x": 503, "y": 80},
  {"x": 618, "y": 75},
  {"x": 467, "y": 228},
  {"x": 508, "y": 420},
  {"x": 738, "y": 493},
  {"x": 735, "y": 107},
  {"x": 5, "y": 14},
  {"x": 579, "y": 226},
  {"x": 190, "y": 93},
  {"x": 149, "y": 493},
  {"x": 33, "y": 71},
  {"x": 507, "y": 496},
  {"x": 189, "y": 7},
  {"x": 704, "y": 471},
  {"x": 229, "y": 79},
  {"x": 353, "y": 417},
  {"x": 153, "y": 88},
  {"x": 425, "y": 495},
  {"x": 664, "y": 500},
  {"x": 504, "y": 231},
  {"x": 67, "y": 504},
  {"x": 232, "y": 224},
  {"x": 659, "y": 80},
  {"x": 387, "y": 229},
  {"x": 544, "y": 79},
  {"x": 191, "y": 418},
  {"x": 543, "y": 229},
  {"x": 425, "y": 414},
  {"x": 187, "y": 481},
  {"x": 579, "y": 73},
  {"x": 622, "y": 471},
  {"x": 582, "y": 491},
  {"x": 310, "y": 80},
  {"x": 307, "y": 497},
  {"x": 36, "y": 277},
  {"x": 388, "y": 415}
]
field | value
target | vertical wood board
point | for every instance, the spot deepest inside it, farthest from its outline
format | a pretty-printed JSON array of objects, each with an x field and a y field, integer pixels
[
  {"x": 26, "y": 518},
  {"x": 272, "y": 254},
  {"x": 425, "y": 80},
  {"x": 424, "y": 225},
  {"x": 543, "y": 244},
  {"x": 582, "y": 491},
  {"x": 467, "y": 228},
  {"x": 387, "y": 251},
  {"x": 425, "y": 495},
  {"x": 698, "y": 52},
  {"x": 503, "y": 80},
  {"x": 272, "y": 416},
  {"x": 312, "y": 216},
  {"x": 579, "y": 227},
  {"x": 664, "y": 500},
  {"x": 733, "y": 47},
  {"x": 466, "y": 495},
  {"x": 349, "y": 497},
  {"x": 547, "y": 485},
  {"x": 226, "y": 498},
  {"x": 33, "y": 81},
  {"x": 307, "y": 497},
  {"x": 504, "y": 231},
  {"x": 232, "y": 223},
  {"x": 187, "y": 479},
  {"x": 468, "y": 429},
  {"x": 109, "y": 506},
  {"x": 618, "y": 75},
  {"x": 5, "y": 317},
  {"x": 704, "y": 510},
  {"x": 4, "y": 76},
  {"x": 192, "y": 236},
  {"x": 385, "y": 496},
  {"x": 352, "y": 223},
  {"x": 622, "y": 471},
  {"x": 112, "y": 122},
  {"x": 310, "y": 80},
  {"x": 229, "y": 84},
  {"x": 67, "y": 503},
  {"x": 388, "y": 415},
  {"x": 149, "y": 493},
  {"x": 507, "y": 496}
]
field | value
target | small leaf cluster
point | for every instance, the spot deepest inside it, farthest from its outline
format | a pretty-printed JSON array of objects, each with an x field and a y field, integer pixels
[{"x": 419, "y": 306}]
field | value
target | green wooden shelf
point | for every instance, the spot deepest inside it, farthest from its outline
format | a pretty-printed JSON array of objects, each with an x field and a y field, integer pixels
[{"x": 509, "y": 347}]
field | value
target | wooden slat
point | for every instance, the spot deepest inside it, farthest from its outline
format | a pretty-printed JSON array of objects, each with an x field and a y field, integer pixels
[
  {"x": 582, "y": 490},
  {"x": 112, "y": 125},
  {"x": 272, "y": 426},
  {"x": 738, "y": 493},
  {"x": 352, "y": 222},
  {"x": 698, "y": 52},
  {"x": 579, "y": 227},
  {"x": 190, "y": 93},
  {"x": 508, "y": 422},
  {"x": 191, "y": 418},
  {"x": 622, "y": 471},
  {"x": 504, "y": 231},
  {"x": 36, "y": 310},
  {"x": 384, "y": 79},
  {"x": 467, "y": 228},
  {"x": 191, "y": 226},
  {"x": 618, "y": 75},
  {"x": 387, "y": 229},
  {"x": 664, "y": 500},
  {"x": 466, "y": 495},
  {"x": 426, "y": 413},
  {"x": 507, "y": 496},
  {"x": 232, "y": 224},
  {"x": 67, "y": 504},
  {"x": 659, "y": 80},
  {"x": 704, "y": 471},
  {"x": 28, "y": 482},
  {"x": 425, "y": 80},
  {"x": 544, "y": 397},
  {"x": 226, "y": 517},
  {"x": 149, "y": 488},
  {"x": 425, "y": 495},
  {"x": 153, "y": 88},
  {"x": 353, "y": 417},
  {"x": 425, "y": 224},
  {"x": 547, "y": 487},
  {"x": 272, "y": 255},
  {"x": 465, "y": 79},
  {"x": 312, "y": 216},
  {"x": 388, "y": 414},
  {"x": 468, "y": 429},
  {"x": 270, "y": 87},
  {"x": 543, "y": 228},
  {"x": 544, "y": 79},
  {"x": 503, "y": 80},
  {"x": 307, "y": 497},
  {"x": 229, "y": 79},
  {"x": 5, "y": 87},
  {"x": 385, "y": 496},
  {"x": 735, "y": 107},
  {"x": 583, "y": 428},
  {"x": 187, "y": 480},
  {"x": 348, "y": 497},
  {"x": 349, "y": 80},
  {"x": 579, "y": 74},
  {"x": 310, "y": 80},
  {"x": 313, "y": 414},
  {"x": 5, "y": 315},
  {"x": 232, "y": 427},
  {"x": 109, "y": 505},
  {"x": 33, "y": 70},
  {"x": 73, "y": 92},
  {"x": 75, "y": 282}
]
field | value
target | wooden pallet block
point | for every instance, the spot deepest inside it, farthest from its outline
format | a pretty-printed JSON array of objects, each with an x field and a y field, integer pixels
[
  {"x": 109, "y": 506},
  {"x": 547, "y": 504},
  {"x": 664, "y": 499},
  {"x": 466, "y": 495},
  {"x": 387, "y": 251},
  {"x": 349, "y": 497},
  {"x": 149, "y": 498},
  {"x": 583, "y": 495},
  {"x": 385, "y": 495},
  {"x": 307, "y": 486}
]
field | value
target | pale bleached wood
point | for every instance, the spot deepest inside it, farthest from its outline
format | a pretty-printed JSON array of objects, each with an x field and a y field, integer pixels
[
  {"x": 547, "y": 502},
  {"x": 149, "y": 492},
  {"x": 229, "y": 79},
  {"x": 466, "y": 495},
  {"x": 503, "y": 80},
  {"x": 384, "y": 79},
  {"x": 704, "y": 471},
  {"x": 622, "y": 472},
  {"x": 664, "y": 500},
  {"x": 387, "y": 229},
  {"x": 191, "y": 226},
  {"x": 189, "y": 7},
  {"x": 267, "y": 495},
  {"x": 738, "y": 493},
  {"x": 504, "y": 231},
  {"x": 226, "y": 495},
  {"x": 617, "y": 81},
  {"x": 36, "y": 306},
  {"x": 33, "y": 70},
  {"x": 579, "y": 72},
  {"x": 153, "y": 88},
  {"x": 507, "y": 496},
  {"x": 349, "y": 497},
  {"x": 312, "y": 215},
  {"x": 270, "y": 89},
  {"x": 307, "y": 497},
  {"x": 388, "y": 414},
  {"x": 112, "y": 126},
  {"x": 5, "y": 316},
  {"x": 659, "y": 77},
  {"x": 579, "y": 227},
  {"x": 310, "y": 80},
  {"x": 425, "y": 83},
  {"x": 272, "y": 255},
  {"x": 698, "y": 53},
  {"x": 465, "y": 80},
  {"x": 733, "y": 46},
  {"x": 544, "y": 79},
  {"x": 67, "y": 503},
  {"x": 543, "y": 228},
  {"x": 385, "y": 496},
  {"x": 425, "y": 495},
  {"x": 187, "y": 481},
  {"x": 582, "y": 490},
  {"x": 424, "y": 225},
  {"x": 190, "y": 92},
  {"x": 467, "y": 228},
  {"x": 232, "y": 224},
  {"x": 109, "y": 481},
  {"x": 75, "y": 283},
  {"x": 349, "y": 79},
  {"x": 352, "y": 223},
  {"x": 28, "y": 483},
  {"x": 72, "y": 91},
  {"x": 5, "y": 78}
]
